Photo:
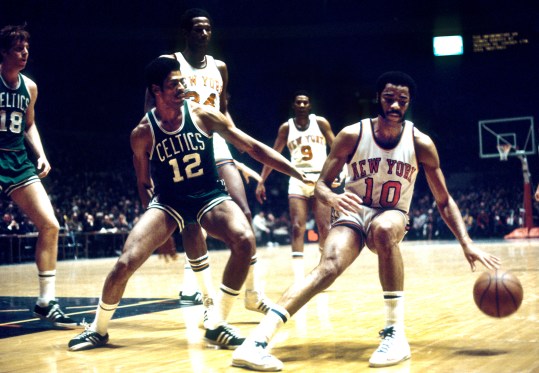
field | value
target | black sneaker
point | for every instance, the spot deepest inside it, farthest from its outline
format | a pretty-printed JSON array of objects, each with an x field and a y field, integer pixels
[
  {"x": 54, "y": 314},
  {"x": 87, "y": 340},
  {"x": 223, "y": 336},
  {"x": 191, "y": 300}
]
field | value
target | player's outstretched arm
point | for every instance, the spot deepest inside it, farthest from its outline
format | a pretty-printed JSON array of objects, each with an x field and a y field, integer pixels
[
  {"x": 215, "y": 121},
  {"x": 427, "y": 155}
]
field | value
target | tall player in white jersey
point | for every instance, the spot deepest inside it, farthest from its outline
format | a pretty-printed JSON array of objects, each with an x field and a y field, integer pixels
[
  {"x": 206, "y": 81},
  {"x": 307, "y": 137},
  {"x": 383, "y": 155}
]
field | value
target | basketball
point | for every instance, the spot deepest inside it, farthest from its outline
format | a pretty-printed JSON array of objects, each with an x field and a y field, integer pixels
[{"x": 498, "y": 293}]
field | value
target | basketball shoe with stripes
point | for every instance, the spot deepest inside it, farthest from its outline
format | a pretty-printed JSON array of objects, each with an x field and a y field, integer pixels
[
  {"x": 224, "y": 336},
  {"x": 87, "y": 340},
  {"x": 54, "y": 314},
  {"x": 257, "y": 301}
]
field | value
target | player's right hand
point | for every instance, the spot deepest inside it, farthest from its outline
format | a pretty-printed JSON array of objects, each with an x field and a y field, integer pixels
[
  {"x": 260, "y": 193},
  {"x": 346, "y": 203}
]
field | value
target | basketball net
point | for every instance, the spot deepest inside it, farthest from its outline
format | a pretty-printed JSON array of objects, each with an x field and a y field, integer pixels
[{"x": 503, "y": 149}]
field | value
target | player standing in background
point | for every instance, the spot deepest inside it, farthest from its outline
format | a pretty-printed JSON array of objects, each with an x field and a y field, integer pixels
[
  {"x": 19, "y": 179},
  {"x": 178, "y": 184},
  {"x": 206, "y": 81},
  {"x": 383, "y": 155},
  {"x": 307, "y": 137}
]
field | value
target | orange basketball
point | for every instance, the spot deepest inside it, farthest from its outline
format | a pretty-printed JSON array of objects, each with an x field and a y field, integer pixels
[{"x": 498, "y": 293}]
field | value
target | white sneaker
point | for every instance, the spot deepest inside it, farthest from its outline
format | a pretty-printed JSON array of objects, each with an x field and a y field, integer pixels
[
  {"x": 257, "y": 301},
  {"x": 393, "y": 349},
  {"x": 255, "y": 356}
]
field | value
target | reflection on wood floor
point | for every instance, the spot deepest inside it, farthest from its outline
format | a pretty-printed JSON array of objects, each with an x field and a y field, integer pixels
[{"x": 336, "y": 331}]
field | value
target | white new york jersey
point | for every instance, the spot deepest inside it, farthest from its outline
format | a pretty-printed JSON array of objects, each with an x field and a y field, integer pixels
[
  {"x": 308, "y": 149},
  {"x": 204, "y": 86},
  {"x": 383, "y": 178}
]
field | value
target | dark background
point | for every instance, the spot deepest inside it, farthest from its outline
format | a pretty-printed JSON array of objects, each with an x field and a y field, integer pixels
[{"x": 88, "y": 57}]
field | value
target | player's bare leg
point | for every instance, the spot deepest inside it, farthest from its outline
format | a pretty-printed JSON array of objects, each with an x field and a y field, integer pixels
[
  {"x": 298, "y": 208},
  {"x": 255, "y": 300},
  {"x": 322, "y": 216},
  {"x": 153, "y": 229},
  {"x": 34, "y": 202},
  {"x": 385, "y": 234},
  {"x": 227, "y": 223},
  {"x": 342, "y": 248}
]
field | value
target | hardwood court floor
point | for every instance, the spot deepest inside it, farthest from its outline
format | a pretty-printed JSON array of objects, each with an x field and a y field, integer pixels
[{"x": 336, "y": 331}]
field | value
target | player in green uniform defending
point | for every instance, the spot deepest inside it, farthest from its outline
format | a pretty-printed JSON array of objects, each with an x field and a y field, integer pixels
[{"x": 178, "y": 182}]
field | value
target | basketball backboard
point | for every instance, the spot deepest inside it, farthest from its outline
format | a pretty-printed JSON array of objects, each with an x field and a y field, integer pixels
[{"x": 516, "y": 133}]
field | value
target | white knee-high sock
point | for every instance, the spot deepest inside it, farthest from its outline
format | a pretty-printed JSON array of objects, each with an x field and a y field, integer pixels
[
  {"x": 103, "y": 315},
  {"x": 190, "y": 284},
  {"x": 202, "y": 271},
  {"x": 251, "y": 282},
  {"x": 47, "y": 286},
  {"x": 394, "y": 308},
  {"x": 270, "y": 325},
  {"x": 224, "y": 302}
]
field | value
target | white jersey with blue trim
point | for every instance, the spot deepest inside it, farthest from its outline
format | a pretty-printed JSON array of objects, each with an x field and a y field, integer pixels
[
  {"x": 383, "y": 177},
  {"x": 308, "y": 148},
  {"x": 204, "y": 86}
]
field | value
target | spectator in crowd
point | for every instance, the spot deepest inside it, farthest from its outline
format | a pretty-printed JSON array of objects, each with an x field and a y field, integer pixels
[
  {"x": 482, "y": 223},
  {"x": 468, "y": 220},
  {"x": 88, "y": 224},
  {"x": 419, "y": 220},
  {"x": 9, "y": 225},
  {"x": 281, "y": 228},
  {"x": 262, "y": 229},
  {"x": 122, "y": 224}
]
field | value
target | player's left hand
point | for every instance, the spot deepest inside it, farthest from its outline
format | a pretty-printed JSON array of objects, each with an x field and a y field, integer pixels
[
  {"x": 43, "y": 167},
  {"x": 346, "y": 203},
  {"x": 473, "y": 253}
]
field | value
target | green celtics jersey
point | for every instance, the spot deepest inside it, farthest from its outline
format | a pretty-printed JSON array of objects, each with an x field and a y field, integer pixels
[
  {"x": 13, "y": 105},
  {"x": 182, "y": 162}
]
